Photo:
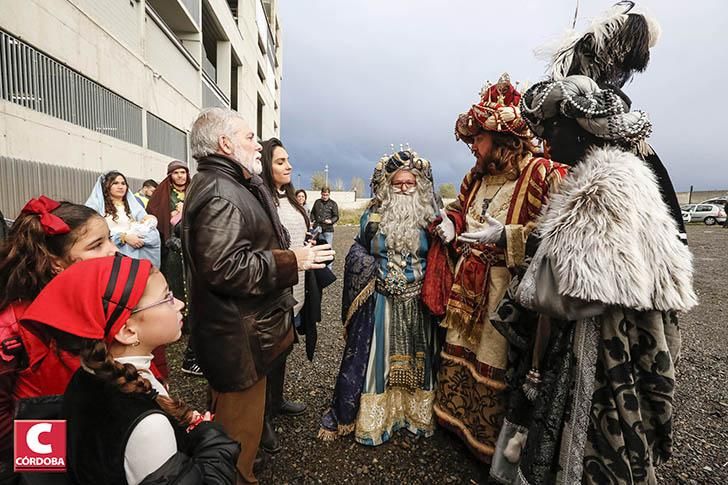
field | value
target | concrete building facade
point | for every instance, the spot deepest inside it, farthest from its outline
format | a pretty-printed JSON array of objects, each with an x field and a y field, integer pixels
[{"x": 87, "y": 86}]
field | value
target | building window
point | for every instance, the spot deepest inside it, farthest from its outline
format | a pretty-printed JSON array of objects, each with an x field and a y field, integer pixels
[
  {"x": 259, "y": 124},
  {"x": 30, "y": 78}
]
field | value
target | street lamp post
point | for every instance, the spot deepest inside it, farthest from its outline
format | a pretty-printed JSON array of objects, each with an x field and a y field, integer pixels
[{"x": 326, "y": 175}]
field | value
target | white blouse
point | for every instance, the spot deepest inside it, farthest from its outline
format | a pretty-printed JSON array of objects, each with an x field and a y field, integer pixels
[
  {"x": 294, "y": 222},
  {"x": 152, "y": 441}
]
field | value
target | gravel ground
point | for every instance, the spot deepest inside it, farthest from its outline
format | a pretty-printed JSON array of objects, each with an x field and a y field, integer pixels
[{"x": 701, "y": 434}]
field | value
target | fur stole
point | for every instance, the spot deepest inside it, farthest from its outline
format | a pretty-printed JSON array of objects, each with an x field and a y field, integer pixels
[{"x": 610, "y": 236}]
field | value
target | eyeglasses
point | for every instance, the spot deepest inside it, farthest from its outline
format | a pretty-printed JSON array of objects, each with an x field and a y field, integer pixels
[
  {"x": 403, "y": 185},
  {"x": 169, "y": 298}
]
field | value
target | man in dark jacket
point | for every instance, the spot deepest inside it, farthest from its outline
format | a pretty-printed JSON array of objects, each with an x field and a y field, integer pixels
[
  {"x": 325, "y": 213},
  {"x": 240, "y": 275}
]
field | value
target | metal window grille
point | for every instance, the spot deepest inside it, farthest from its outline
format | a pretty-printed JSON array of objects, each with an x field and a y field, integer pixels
[
  {"x": 165, "y": 138},
  {"x": 20, "y": 180},
  {"x": 30, "y": 78}
]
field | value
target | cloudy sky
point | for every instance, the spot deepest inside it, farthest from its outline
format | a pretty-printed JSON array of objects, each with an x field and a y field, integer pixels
[{"x": 359, "y": 75}]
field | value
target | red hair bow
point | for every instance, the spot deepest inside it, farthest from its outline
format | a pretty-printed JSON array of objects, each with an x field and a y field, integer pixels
[{"x": 43, "y": 206}]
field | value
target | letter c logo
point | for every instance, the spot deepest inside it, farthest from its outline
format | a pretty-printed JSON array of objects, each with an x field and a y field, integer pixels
[{"x": 34, "y": 443}]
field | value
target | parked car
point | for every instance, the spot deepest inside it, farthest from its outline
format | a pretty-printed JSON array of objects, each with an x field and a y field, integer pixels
[
  {"x": 708, "y": 213},
  {"x": 686, "y": 216}
]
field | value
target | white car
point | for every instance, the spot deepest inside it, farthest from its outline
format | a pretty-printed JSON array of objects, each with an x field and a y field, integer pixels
[{"x": 708, "y": 213}]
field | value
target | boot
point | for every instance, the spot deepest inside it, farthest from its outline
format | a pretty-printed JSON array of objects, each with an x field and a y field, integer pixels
[{"x": 268, "y": 440}]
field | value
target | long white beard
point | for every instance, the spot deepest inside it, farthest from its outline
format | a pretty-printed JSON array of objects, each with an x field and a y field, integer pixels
[{"x": 402, "y": 218}]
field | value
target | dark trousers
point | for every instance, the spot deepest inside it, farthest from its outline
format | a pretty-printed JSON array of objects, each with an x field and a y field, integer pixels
[{"x": 274, "y": 388}]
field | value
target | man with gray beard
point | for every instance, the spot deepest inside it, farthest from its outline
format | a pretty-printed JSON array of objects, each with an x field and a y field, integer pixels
[
  {"x": 386, "y": 380},
  {"x": 240, "y": 275}
]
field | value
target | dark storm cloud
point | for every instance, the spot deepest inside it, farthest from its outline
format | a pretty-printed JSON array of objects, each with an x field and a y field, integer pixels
[{"x": 360, "y": 75}]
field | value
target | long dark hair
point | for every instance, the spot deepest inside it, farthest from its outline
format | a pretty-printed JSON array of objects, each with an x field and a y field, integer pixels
[
  {"x": 266, "y": 159},
  {"x": 109, "y": 207},
  {"x": 26, "y": 256}
]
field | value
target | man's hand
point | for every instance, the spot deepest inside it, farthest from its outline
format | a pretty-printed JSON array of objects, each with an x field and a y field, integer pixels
[
  {"x": 490, "y": 235},
  {"x": 446, "y": 229},
  {"x": 134, "y": 241},
  {"x": 313, "y": 257},
  {"x": 179, "y": 207},
  {"x": 327, "y": 221}
]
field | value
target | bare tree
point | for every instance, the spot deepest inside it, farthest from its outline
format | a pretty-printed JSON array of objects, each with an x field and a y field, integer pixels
[
  {"x": 339, "y": 185},
  {"x": 358, "y": 186},
  {"x": 318, "y": 180},
  {"x": 447, "y": 191}
]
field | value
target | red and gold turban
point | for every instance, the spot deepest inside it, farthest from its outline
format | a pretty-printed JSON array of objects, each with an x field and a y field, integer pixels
[{"x": 497, "y": 111}]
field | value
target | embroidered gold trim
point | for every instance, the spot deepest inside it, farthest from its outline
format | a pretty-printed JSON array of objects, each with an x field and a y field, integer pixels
[
  {"x": 484, "y": 449},
  {"x": 497, "y": 385},
  {"x": 359, "y": 300}
]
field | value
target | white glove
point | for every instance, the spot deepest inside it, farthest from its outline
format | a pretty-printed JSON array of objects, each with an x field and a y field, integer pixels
[
  {"x": 491, "y": 234},
  {"x": 313, "y": 257},
  {"x": 446, "y": 229}
]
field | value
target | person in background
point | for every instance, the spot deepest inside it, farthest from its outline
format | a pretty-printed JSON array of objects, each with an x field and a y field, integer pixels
[
  {"x": 46, "y": 238},
  {"x": 133, "y": 231},
  {"x": 240, "y": 275},
  {"x": 302, "y": 197},
  {"x": 166, "y": 205},
  {"x": 123, "y": 426},
  {"x": 325, "y": 214},
  {"x": 725, "y": 209},
  {"x": 145, "y": 193}
]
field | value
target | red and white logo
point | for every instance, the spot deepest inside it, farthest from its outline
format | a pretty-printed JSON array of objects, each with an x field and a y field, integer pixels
[{"x": 40, "y": 446}]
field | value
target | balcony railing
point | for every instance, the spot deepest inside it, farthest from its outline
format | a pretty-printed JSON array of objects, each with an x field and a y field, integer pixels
[
  {"x": 165, "y": 138},
  {"x": 32, "y": 79},
  {"x": 212, "y": 95}
]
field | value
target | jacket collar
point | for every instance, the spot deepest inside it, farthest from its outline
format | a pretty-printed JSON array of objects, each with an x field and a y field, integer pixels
[{"x": 226, "y": 165}]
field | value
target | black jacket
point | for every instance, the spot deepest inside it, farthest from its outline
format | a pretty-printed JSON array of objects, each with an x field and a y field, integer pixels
[
  {"x": 238, "y": 276},
  {"x": 322, "y": 211},
  {"x": 316, "y": 281},
  {"x": 100, "y": 421}
]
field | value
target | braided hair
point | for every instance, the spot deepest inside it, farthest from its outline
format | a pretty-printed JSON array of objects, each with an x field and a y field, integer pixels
[{"x": 95, "y": 356}]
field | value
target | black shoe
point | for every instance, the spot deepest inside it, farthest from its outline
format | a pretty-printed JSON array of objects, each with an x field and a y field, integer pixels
[
  {"x": 268, "y": 440},
  {"x": 292, "y": 408},
  {"x": 260, "y": 463},
  {"x": 190, "y": 365}
]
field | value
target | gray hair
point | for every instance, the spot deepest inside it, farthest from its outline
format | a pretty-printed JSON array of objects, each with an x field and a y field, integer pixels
[{"x": 207, "y": 128}]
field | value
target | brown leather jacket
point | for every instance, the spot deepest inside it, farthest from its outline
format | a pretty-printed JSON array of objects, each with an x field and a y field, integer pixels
[{"x": 238, "y": 277}]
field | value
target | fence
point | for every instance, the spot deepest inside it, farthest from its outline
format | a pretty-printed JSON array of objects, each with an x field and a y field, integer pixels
[
  {"x": 165, "y": 138},
  {"x": 21, "y": 180}
]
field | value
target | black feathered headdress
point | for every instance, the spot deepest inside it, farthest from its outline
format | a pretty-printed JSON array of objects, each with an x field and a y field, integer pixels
[{"x": 610, "y": 51}]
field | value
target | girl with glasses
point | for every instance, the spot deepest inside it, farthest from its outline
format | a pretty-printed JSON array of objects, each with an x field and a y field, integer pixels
[{"x": 112, "y": 312}]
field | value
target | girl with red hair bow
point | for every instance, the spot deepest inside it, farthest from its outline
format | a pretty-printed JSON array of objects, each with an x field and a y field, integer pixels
[
  {"x": 46, "y": 238},
  {"x": 112, "y": 312}
]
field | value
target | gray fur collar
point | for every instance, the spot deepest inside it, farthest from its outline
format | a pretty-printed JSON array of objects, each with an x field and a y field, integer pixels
[{"x": 610, "y": 236}]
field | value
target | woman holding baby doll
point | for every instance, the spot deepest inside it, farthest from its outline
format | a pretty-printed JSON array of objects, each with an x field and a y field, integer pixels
[
  {"x": 123, "y": 426},
  {"x": 132, "y": 230}
]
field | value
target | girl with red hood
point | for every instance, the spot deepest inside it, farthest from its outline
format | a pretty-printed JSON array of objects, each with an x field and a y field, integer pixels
[{"x": 123, "y": 426}]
